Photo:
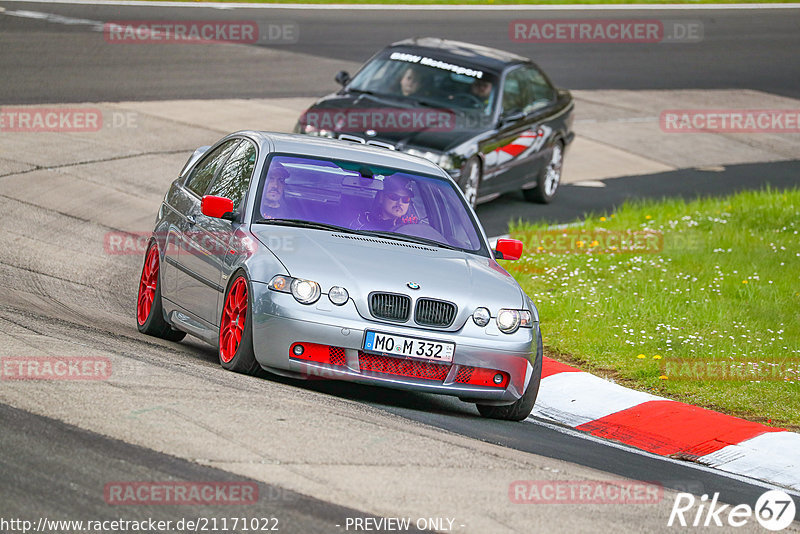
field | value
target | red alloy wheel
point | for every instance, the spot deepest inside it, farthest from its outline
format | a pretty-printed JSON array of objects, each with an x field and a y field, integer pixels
[
  {"x": 233, "y": 318},
  {"x": 147, "y": 285}
]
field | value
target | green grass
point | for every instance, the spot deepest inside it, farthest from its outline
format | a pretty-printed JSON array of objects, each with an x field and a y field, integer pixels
[{"x": 724, "y": 288}]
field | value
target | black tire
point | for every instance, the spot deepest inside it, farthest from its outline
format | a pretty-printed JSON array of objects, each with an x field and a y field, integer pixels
[
  {"x": 549, "y": 179},
  {"x": 520, "y": 410},
  {"x": 470, "y": 180},
  {"x": 154, "y": 323},
  {"x": 244, "y": 358}
]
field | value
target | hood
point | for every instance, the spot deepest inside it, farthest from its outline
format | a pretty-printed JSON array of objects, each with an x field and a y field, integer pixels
[
  {"x": 364, "y": 264},
  {"x": 432, "y": 128}
]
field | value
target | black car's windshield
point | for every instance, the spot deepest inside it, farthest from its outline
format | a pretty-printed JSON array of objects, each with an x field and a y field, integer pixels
[
  {"x": 353, "y": 197},
  {"x": 429, "y": 81}
]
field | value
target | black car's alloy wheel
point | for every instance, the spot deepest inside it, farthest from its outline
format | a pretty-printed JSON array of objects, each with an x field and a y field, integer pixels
[
  {"x": 470, "y": 180},
  {"x": 550, "y": 178}
]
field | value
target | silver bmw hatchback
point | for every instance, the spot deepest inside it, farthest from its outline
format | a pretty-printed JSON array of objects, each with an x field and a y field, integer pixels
[{"x": 317, "y": 258}]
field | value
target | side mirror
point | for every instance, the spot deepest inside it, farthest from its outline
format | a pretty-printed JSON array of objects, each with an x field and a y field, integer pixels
[
  {"x": 508, "y": 249},
  {"x": 217, "y": 207},
  {"x": 342, "y": 77}
]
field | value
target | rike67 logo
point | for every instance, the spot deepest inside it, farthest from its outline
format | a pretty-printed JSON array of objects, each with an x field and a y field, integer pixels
[{"x": 774, "y": 510}]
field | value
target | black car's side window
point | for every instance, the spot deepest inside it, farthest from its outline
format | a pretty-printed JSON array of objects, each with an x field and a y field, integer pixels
[
  {"x": 204, "y": 172},
  {"x": 525, "y": 90},
  {"x": 234, "y": 178}
]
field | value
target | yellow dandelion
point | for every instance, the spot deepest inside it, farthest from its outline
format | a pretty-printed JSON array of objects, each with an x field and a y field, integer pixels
[
  {"x": 641, "y": 356},
  {"x": 647, "y": 217},
  {"x": 744, "y": 281},
  {"x": 656, "y": 356},
  {"x": 663, "y": 377},
  {"x": 579, "y": 243},
  {"x": 539, "y": 248},
  {"x": 613, "y": 248},
  {"x": 603, "y": 218},
  {"x": 594, "y": 243}
]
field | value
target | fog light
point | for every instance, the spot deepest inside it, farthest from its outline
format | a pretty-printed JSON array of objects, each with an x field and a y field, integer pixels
[
  {"x": 498, "y": 378},
  {"x": 299, "y": 350}
]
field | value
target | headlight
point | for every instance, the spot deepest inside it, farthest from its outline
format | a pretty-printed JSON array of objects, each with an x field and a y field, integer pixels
[
  {"x": 305, "y": 291},
  {"x": 508, "y": 321},
  {"x": 310, "y": 129},
  {"x": 481, "y": 316},
  {"x": 442, "y": 160},
  {"x": 280, "y": 283},
  {"x": 338, "y": 295}
]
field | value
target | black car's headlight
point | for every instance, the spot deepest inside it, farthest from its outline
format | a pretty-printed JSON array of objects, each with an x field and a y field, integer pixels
[
  {"x": 509, "y": 321},
  {"x": 303, "y": 291},
  {"x": 444, "y": 161},
  {"x": 310, "y": 129}
]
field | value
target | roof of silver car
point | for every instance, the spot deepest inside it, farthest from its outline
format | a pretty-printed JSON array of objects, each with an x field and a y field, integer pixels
[{"x": 334, "y": 148}]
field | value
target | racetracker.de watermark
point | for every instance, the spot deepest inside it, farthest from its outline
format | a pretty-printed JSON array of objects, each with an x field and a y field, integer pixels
[
  {"x": 584, "y": 492},
  {"x": 200, "y": 32},
  {"x": 732, "y": 370},
  {"x": 55, "y": 368},
  {"x": 730, "y": 121},
  {"x": 571, "y": 241},
  {"x": 379, "y": 120},
  {"x": 196, "y": 243},
  {"x": 42, "y": 119},
  {"x": 605, "y": 31},
  {"x": 181, "y": 493}
]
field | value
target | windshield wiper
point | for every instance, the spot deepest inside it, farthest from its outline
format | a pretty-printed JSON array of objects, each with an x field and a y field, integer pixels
[
  {"x": 361, "y": 91},
  {"x": 302, "y": 223},
  {"x": 408, "y": 238}
]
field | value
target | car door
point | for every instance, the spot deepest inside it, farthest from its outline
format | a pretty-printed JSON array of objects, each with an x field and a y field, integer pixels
[
  {"x": 514, "y": 157},
  {"x": 219, "y": 245},
  {"x": 193, "y": 281}
]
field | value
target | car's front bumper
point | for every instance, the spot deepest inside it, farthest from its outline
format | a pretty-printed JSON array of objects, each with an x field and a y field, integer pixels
[{"x": 279, "y": 322}]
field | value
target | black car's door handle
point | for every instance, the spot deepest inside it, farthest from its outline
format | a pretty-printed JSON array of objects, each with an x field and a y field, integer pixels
[{"x": 192, "y": 220}]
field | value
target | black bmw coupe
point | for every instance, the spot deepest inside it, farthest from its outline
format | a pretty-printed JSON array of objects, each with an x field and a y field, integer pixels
[{"x": 492, "y": 119}]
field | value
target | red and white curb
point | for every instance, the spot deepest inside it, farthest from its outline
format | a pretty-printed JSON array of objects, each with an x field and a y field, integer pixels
[{"x": 665, "y": 427}]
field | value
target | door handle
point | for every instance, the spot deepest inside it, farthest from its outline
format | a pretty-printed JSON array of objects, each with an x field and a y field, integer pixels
[{"x": 192, "y": 220}]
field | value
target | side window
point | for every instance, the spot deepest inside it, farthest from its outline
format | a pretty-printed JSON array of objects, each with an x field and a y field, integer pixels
[
  {"x": 543, "y": 92},
  {"x": 234, "y": 179},
  {"x": 513, "y": 98},
  {"x": 204, "y": 172},
  {"x": 526, "y": 89}
]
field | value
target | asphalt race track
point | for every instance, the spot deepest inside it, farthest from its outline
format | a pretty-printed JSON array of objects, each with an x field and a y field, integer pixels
[
  {"x": 319, "y": 452},
  {"x": 752, "y": 49}
]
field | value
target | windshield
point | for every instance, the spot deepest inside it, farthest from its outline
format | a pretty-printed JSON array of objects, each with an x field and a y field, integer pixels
[
  {"x": 366, "y": 199},
  {"x": 428, "y": 80}
]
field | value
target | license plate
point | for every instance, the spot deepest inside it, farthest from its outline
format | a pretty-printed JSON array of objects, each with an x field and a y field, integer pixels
[{"x": 437, "y": 351}]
